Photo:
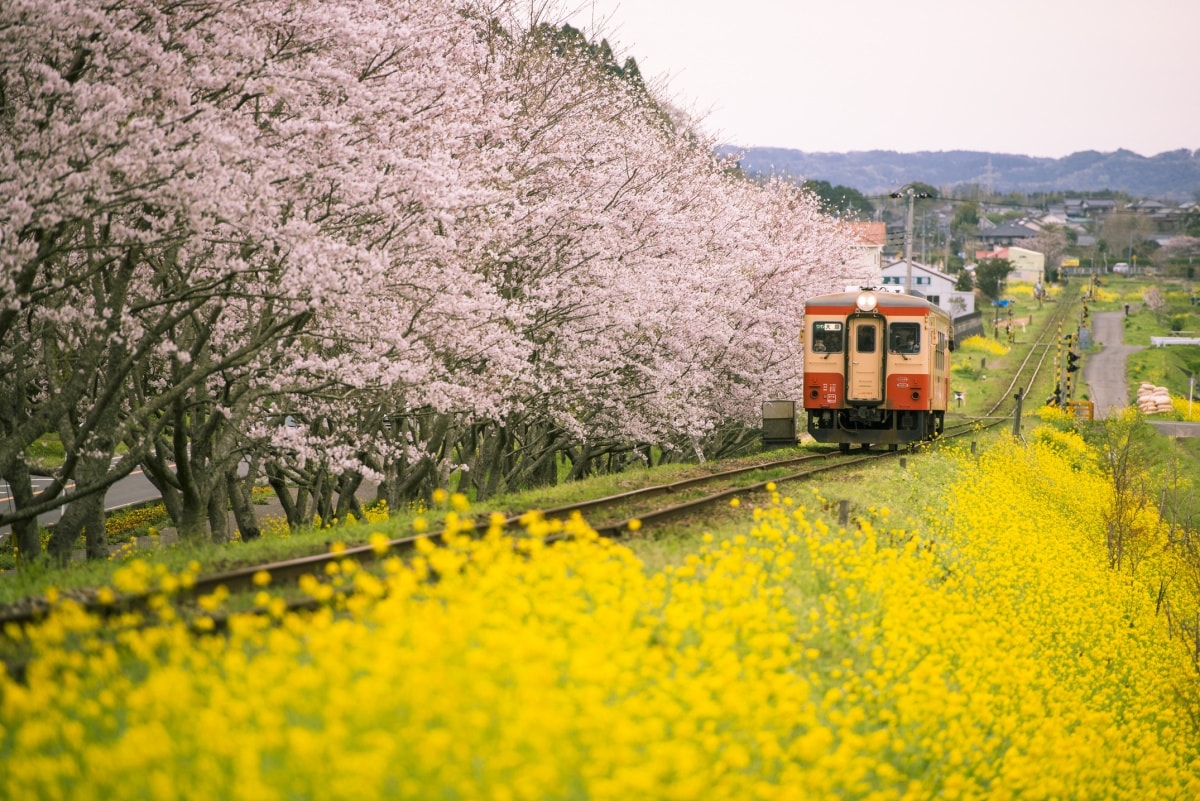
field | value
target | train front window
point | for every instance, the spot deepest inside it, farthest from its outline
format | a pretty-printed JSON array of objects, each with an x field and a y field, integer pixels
[
  {"x": 865, "y": 340},
  {"x": 827, "y": 337},
  {"x": 904, "y": 338}
]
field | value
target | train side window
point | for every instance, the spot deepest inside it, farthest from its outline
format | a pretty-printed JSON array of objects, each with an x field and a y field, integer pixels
[
  {"x": 827, "y": 337},
  {"x": 904, "y": 338},
  {"x": 865, "y": 341}
]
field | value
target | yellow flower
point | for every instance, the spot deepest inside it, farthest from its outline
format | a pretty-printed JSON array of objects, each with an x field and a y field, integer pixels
[{"x": 379, "y": 543}]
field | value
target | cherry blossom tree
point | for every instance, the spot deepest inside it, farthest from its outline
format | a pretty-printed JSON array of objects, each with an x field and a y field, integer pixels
[
  {"x": 177, "y": 161},
  {"x": 431, "y": 236},
  {"x": 122, "y": 181}
]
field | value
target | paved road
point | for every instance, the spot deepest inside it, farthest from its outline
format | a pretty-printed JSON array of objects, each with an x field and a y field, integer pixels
[
  {"x": 132, "y": 489},
  {"x": 1104, "y": 372}
]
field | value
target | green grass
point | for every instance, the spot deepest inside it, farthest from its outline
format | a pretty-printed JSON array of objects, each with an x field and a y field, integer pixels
[
  {"x": 878, "y": 485},
  {"x": 1170, "y": 366},
  {"x": 982, "y": 391},
  {"x": 983, "y": 377},
  {"x": 47, "y": 452}
]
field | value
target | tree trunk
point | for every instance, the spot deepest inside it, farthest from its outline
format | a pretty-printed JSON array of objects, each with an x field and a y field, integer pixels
[
  {"x": 218, "y": 513},
  {"x": 293, "y": 508},
  {"x": 84, "y": 513},
  {"x": 25, "y": 532},
  {"x": 348, "y": 503},
  {"x": 94, "y": 529},
  {"x": 193, "y": 521},
  {"x": 323, "y": 495},
  {"x": 242, "y": 501}
]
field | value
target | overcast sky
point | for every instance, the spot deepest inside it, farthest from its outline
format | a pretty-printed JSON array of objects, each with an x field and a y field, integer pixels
[{"x": 1029, "y": 77}]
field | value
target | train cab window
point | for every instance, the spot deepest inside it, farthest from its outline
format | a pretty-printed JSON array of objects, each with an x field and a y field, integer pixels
[
  {"x": 827, "y": 337},
  {"x": 865, "y": 341},
  {"x": 904, "y": 338}
]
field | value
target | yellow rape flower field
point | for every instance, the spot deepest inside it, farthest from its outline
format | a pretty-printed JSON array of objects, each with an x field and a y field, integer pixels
[{"x": 986, "y": 653}]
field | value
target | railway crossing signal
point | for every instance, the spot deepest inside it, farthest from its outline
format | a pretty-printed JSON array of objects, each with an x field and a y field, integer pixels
[{"x": 1072, "y": 357}]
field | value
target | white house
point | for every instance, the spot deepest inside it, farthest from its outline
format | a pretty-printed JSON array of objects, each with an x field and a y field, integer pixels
[
  {"x": 865, "y": 267},
  {"x": 936, "y": 287},
  {"x": 1029, "y": 266}
]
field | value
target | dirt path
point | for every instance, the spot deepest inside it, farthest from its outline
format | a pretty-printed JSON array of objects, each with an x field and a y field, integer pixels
[{"x": 1104, "y": 372}]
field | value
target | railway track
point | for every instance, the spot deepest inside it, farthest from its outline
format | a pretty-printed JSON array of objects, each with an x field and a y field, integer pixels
[
  {"x": 610, "y": 516},
  {"x": 1035, "y": 360}
]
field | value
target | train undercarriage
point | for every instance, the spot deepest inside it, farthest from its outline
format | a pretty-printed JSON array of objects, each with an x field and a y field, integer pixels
[{"x": 873, "y": 425}]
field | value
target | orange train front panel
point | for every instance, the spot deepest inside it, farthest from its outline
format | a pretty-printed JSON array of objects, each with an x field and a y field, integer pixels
[
  {"x": 902, "y": 387},
  {"x": 824, "y": 390}
]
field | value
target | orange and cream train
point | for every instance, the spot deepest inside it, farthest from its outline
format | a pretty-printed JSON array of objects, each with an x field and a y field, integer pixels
[{"x": 876, "y": 368}]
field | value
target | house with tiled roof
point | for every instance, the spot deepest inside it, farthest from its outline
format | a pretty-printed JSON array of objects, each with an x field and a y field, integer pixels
[
  {"x": 1029, "y": 266},
  {"x": 933, "y": 285},
  {"x": 865, "y": 267},
  {"x": 1080, "y": 208},
  {"x": 1007, "y": 234},
  {"x": 1095, "y": 207}
]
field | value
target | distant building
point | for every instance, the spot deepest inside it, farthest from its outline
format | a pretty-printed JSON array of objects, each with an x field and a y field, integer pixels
[
  {"x": 1098, "y": 207},
  {"x": 1029, "y": 266},
  {"x": 1148, "y": 207},
  {"x": 1007, "y": 234},
  {"x": 1053, "y": 218},
  {"x": 865, "y": 268},
  {"x": 934, "y": 286}
]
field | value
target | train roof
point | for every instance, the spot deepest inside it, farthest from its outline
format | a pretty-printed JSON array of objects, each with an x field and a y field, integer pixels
[{"x": 883, "y": 299}]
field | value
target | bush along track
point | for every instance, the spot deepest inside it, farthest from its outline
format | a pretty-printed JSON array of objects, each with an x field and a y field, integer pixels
[{"x": 990, "y": 652}]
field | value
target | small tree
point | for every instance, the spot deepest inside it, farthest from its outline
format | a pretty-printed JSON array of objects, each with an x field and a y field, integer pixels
[
  {"x": 1125, "y": 442},
  {"x": 1050, "y": 242},
  {"x": 1152, "y": 296},
  {"x": 990, "y": 276}
]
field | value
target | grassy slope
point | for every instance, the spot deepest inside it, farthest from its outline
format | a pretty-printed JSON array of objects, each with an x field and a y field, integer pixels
[{"x": 876, "y": 486}]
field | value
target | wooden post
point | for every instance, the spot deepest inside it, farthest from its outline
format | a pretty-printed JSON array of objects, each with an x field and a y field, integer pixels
[{"x": 1017, "y": 415}]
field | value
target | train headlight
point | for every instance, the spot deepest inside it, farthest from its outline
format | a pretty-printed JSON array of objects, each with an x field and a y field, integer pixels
[{"x": 866, "y": 301}]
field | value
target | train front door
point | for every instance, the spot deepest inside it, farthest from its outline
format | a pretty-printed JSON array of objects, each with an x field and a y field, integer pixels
[{"x": 864, "y": 369}]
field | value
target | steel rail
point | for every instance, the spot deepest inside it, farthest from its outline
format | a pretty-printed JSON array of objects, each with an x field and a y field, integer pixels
[{"x": 243, "y": 579}]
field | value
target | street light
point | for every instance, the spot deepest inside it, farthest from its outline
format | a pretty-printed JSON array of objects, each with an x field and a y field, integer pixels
[{"x": 911, "y": 194}]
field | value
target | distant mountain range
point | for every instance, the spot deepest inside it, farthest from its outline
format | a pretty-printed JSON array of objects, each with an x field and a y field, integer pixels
[{"x": 1171, "y": 176}]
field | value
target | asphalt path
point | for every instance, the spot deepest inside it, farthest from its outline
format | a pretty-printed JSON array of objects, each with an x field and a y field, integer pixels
[
  {"x": 1104, "y": 373},
  {"x": 134, "y": 488}
]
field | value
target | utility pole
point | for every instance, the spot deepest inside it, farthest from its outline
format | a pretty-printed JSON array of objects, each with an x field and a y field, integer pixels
[
  {"x": 912, "y": 195},
  {"x": 908, "y": 244},
  {"x": 946, "y": 259}
]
